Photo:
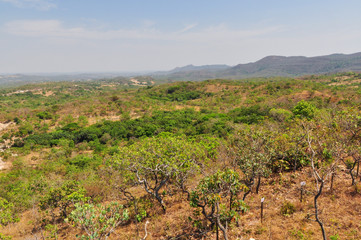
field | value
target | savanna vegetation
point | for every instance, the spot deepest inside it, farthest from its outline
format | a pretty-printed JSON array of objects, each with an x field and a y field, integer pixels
[{"x": 184, "y": 160}]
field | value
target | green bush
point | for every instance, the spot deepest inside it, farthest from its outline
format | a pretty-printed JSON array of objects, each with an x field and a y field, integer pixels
[
  {"x": 288, "y": 208},
  {"x": 44, "y": 115},
  {"x": 334, "y": 237},
  {"x": 304, "y": 109},
  {"x": 62, "y": 197},
  {"x": 180, "y": 92},
  {"x": 7, "y": 213},
  {"x": 98, "y": 221},
  {"x": 248, "y": 115},
  {"x": 280, "y": 114}
]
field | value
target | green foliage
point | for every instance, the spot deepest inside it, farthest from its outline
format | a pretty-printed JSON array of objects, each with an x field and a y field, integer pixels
[
  {"x": 304, "y": 109},
  {"x": 175, "y": 155},
  {"x": 71, "y": 127},
  {"x": 62, "y": 197},
  {"x": 44, "y": 115},
  {"x": 248, "y": 115},
  {"x": 4, "y": 237},
  {"x": 335, "y": 237},
  {"x": 15, "y": 186},
  {"x": 7, "y": 213},
  {"x": 67, "y": 120},
  {"x": 17, "y": 120},
  {"x": 98, "y": 221},
  {"x": 25, "y": 129},
  {"x": 254, "y": 153},
  {"x": 220, "y": 188},
  {"x": 302, "y": 234},
  {"x": 179, "y": 92},
  {"x": 212, "y": 188},
  {"x": 82, "y": 163},
  {"x": 82, "y": 121},
  {"x": 186, "y": 121},
  {"x": 288, "y": 149},
  {"x": 280, "y": 114},
  {"x": 157, "y": 161},
  {"x": 52, "y": 231}
]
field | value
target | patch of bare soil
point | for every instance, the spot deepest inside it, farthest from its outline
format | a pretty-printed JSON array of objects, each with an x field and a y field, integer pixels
[
  {"x": 215, "y": 88},
  {"x": 179, "y": 107},
  {"x": 93, "y": 120},
  {"x": 48, "y": 93},
  {"x": 306, "y": 95},
  {"x": 4, "y": 126},
  {"x": 343, "y": 82},
  {"x": 4, "y": 165}
]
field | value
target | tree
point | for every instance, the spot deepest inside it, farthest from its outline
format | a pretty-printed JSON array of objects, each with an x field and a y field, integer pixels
[
  {"x": 322, "y": 150},
  {"x": 217, "y": 197},
  {"x": 158, "y": 161},
  {"x": 62, "y": 198},
  {"x": 348, "y": 124},
  {"x": 254, "y": 154}
]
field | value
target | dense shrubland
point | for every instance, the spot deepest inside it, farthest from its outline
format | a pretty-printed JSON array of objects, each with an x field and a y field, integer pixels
[{"x": 96, "y": 161}]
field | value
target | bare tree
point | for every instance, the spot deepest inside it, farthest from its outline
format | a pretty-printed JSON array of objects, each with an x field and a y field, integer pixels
[{"x": 322, "y": 151}]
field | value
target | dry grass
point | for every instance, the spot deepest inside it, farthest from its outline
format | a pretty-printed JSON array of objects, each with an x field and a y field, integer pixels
[
  {"x": 215, "y": 88},
  {"x": 340, "y": 212}
]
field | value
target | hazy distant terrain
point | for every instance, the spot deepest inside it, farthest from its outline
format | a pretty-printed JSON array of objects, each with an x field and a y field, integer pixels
[
  {"x": 271, "y": 66},
  {"x": 296, "y": 66},
  {"x": 267, "y": 67},
  {"x": 20, "y": 79}
]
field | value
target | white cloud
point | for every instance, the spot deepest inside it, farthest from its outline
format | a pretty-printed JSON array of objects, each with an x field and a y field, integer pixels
[
  {"x": 187, "y": 28},
  {"x": 43, "y": 5},
  {"x": 56, "y": 29}
]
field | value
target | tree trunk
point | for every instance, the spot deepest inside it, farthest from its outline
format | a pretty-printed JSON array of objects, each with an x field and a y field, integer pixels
[
  {"x": 136, "y": 213},
  {"x": 223, "y": 229},
  {"x": 351, "y": 174},
  {"x": 332, "y": 178},
  {"x": 245, "y": 194},
  {"x": 217, "y": 233},
  {"x": 230, "y": 202},
  {"x": 316, "y": 211},
  {"x": 258, "y": 184}
]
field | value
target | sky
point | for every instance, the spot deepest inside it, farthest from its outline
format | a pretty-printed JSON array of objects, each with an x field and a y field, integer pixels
[{"x": 63, "y": 36}]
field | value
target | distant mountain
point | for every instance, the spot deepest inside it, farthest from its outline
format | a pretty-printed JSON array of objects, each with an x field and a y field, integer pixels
[
  {"x": 211, "y": 68},
  {"x": 296, "y": 66},
  {"x": 191, "y": 72},
  {"x": 268, "y": 67}
]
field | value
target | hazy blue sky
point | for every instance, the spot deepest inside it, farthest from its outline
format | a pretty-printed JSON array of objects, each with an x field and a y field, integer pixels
[{"x": 133, "y": 35}]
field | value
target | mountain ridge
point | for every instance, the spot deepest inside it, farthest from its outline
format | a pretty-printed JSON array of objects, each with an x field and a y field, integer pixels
[{"x": 271, "y": 66}]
